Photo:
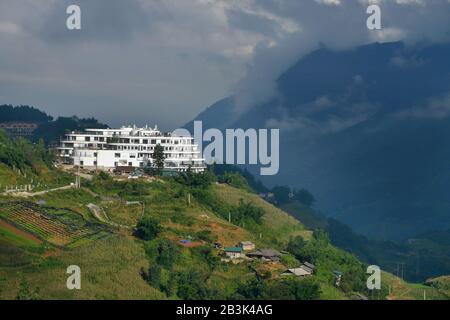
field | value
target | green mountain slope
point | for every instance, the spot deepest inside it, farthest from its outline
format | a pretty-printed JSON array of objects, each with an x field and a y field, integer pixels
[
  {"x": 125, "y": 235},
  {"x": 117, "y": 265}
]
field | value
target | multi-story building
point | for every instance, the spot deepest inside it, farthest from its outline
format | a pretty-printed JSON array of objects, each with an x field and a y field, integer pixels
[
  {"x": 106, "y": 149},
  {"x": 19, "y": 129}
]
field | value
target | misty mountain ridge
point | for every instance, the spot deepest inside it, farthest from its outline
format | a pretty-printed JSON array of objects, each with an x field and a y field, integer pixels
[{"x": 366, "y": 130}]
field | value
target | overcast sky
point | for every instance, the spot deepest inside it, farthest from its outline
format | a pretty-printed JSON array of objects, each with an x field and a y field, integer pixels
[{"x": 164, "y": 61}]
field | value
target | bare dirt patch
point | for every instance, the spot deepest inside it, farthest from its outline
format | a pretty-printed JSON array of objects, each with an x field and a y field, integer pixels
[{"x": 19, "y": 232}]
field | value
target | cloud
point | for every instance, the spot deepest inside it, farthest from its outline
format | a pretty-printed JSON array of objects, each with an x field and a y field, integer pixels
[
  {"x": 337, "y": 25},
  {"x": 166, "y": 60},
  {"x": 436, "y": 108}
]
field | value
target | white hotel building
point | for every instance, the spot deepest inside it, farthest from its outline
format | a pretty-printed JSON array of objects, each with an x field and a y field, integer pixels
[{"x": 106, "y": 149}]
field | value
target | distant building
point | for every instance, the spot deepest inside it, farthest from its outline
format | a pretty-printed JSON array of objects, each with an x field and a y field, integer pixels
[
  {"x": 299, "y": 272},
  {"x": 106, "y": 149},
  {"x": 265, "y": 254},
  {"x": 247, "y": 245},
  {"x": 308, "y": 267},
  {"x": 19, "y": 129},
  {"x": 233, "y": 252}
]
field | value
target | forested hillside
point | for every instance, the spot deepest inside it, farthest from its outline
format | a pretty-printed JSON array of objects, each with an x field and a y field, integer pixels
[
  {"x": 24, "y": 163},
  {"x": 48, "y": 128}
]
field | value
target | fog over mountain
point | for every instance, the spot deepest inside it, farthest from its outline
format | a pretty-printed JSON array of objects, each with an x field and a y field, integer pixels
[{"x": 367, "y": 130}]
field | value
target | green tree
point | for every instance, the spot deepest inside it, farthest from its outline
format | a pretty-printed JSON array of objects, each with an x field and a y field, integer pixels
[
  {"x": 167, "y": 253},
  {"x": 281, "y": 194},
  {"x": 191, "y": 286},
  {"x": 234, "y": 179},
  {"x": 296, "y": 245},
  {"x": 305, "y": 197},
  {"x": 147, "y": 229},
  {"x": 154, "y": 276},
  {"x": 247, "y": 212},
  {"x": 158, "y": 159}
]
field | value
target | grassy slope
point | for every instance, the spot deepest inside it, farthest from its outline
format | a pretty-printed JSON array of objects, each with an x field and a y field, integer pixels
[
  {"x": 105, "y": 273},
  {"x": 122, "y": 264},
  {"x": 110, "y": 266},
  {"x": 278, "y": 224},
  {"x": 8, "y": 177}
]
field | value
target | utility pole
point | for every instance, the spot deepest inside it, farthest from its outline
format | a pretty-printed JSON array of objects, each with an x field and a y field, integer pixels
[{"x": 229, "y": 217}]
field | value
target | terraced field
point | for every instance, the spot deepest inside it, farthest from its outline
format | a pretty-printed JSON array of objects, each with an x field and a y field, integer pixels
[{"x": 41, "y": 225}]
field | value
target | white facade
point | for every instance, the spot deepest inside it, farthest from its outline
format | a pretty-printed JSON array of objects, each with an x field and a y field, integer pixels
[{"x": 129, "y": 146}]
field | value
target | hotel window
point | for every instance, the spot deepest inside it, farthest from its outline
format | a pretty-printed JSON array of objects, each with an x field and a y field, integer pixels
[{"x": 117, "y": 155}]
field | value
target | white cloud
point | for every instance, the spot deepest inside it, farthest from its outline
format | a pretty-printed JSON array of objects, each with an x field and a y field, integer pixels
[
  {"x": 436, "y": 108},
  {"x": 329, "y": 2},
  {"x": 10, "y": 28}
]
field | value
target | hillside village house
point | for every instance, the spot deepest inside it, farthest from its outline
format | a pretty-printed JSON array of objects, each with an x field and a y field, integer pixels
[
  {"x": 306, "y": 269},
  {"x": 299, "y": 272},
  {"x": 247, "y": 245},
  {"x": 107, "y": 149},
  {"x": 19, "y": 129},
  {"x": 265, "y": 254},
  {"x": 234, "y": 252}
]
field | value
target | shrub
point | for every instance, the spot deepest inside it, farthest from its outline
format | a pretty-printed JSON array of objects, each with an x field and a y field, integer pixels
[
  {"x": 246, "y": 211},
  {"x": 154, "y": 276},
  {"x": 147, "y": 229},
  {"x": 234, "y": 179},
  {"x": 192, "y": 286},
  {"x": 206, "y": 236}
]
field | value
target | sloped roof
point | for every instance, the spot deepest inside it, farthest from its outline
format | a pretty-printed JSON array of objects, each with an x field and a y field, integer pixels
[
  {"x": 233, "y": 249},
  {"x": 298, "y": 272},
  {"x": 307, "y": 269},
  {"x": 265, "y": 253}
]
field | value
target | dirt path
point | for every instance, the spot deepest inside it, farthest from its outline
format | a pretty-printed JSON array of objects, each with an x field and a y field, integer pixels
[
  {"x": 100, "y": 215},
  {"x": 19, "y": 232}
]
